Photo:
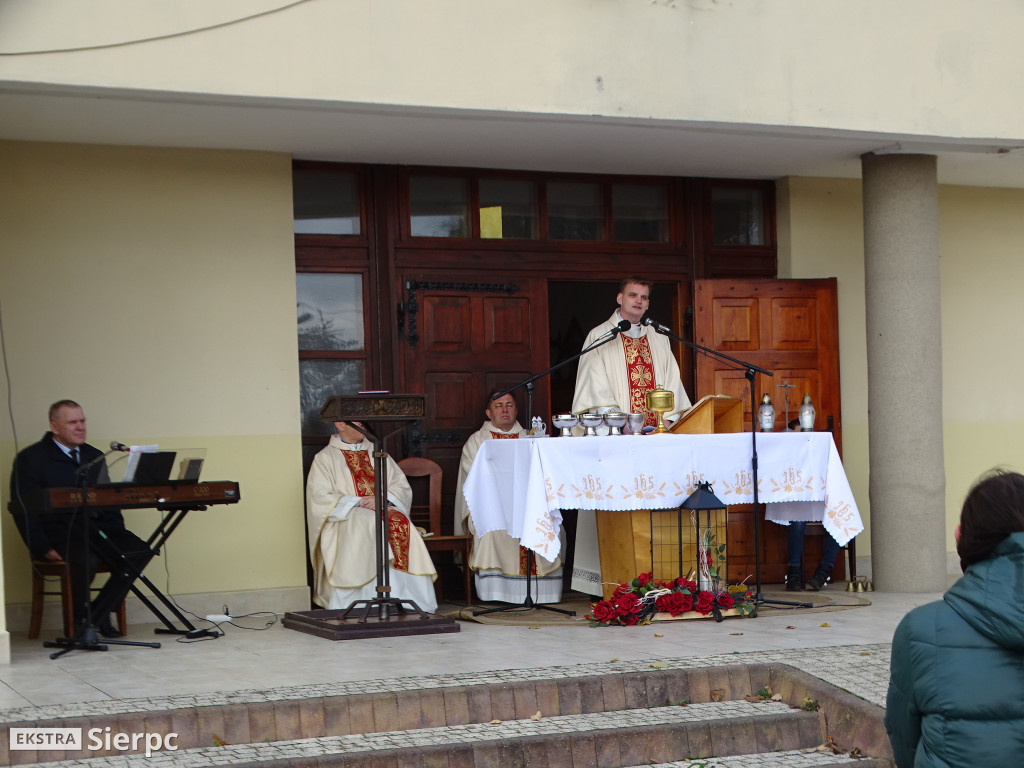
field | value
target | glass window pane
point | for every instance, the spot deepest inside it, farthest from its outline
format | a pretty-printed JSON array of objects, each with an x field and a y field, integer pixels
[
  {"x": 438, "y": 206},
  {"x": 737, "y": 216},
  {"x": 319, "y": 379},
  {"x": 326, "y": 202},
  {"x": 575, "y": 211},
  {"x": 508, "y": 208},
  {"x": 330, "y": 311},
  {"x": 640, "y": 213}
]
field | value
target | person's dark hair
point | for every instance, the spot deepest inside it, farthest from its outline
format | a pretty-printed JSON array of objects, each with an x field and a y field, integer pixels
[
  {"x": 993, "y": 509},
  {"x": 61, "y": 404},
  {"x": 493, "y": 394},
  {"x": 648, "y": 284}
]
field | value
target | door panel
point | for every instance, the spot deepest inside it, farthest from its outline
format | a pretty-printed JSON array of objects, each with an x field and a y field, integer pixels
[
  {"x": 461, "y": 341},
  {"x": 788, "y": 327}
]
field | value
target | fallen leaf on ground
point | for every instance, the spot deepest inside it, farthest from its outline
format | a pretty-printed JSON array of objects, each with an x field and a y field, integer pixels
[
  {"x": 657, "y": 635},
  {"x": 777, "y": 697},
  {"x": 718, "y": 694},
  {"x": 659, "y": 664},
  {"x": 533, "y": 627},
  {"x": 535, "y": 715},
  {"x": 790, "y": 627},
  {"x": 825, "y": 624},
  {"x": 494, "y": 722},
  {"x": 218, "y": 741},
  {"x": 735, "y": 633}
]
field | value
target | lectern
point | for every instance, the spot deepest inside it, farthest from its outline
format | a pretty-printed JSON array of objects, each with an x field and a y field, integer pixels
[{"x": 383, "y": 615}]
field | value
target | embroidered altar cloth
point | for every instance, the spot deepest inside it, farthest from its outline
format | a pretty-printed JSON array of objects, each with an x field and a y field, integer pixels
[{"x": 521, "y": 486}]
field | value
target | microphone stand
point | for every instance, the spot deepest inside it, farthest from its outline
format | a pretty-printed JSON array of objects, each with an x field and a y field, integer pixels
[
  {"x": 86, "y": 638},
  {"x": 750, "y": 372},
  {"x": 528, "y": 383}
]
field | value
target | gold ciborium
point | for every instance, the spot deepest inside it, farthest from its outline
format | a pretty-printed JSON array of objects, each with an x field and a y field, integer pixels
[{"x": 660, "y": 402}]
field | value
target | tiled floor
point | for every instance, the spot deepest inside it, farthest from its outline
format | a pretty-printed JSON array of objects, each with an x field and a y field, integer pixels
[{"x": 255, "y": 659}]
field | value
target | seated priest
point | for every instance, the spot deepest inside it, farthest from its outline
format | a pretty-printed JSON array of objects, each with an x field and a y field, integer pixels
[
  {"x": 341, "y": 523},
  {"x": 500, "y": 563}
]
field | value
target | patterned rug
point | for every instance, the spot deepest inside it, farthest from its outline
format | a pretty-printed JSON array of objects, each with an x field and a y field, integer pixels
[{"x": 835, "y": 598}]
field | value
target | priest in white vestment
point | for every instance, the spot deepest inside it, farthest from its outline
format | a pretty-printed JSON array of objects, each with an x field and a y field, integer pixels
[
  {"x": 341, "y": 525},
  {"x": 617, "y": 377},
  {"x": 499, "y": 561}
]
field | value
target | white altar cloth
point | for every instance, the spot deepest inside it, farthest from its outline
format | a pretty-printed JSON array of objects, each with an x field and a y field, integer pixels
[{"x": 521, "y": 486}]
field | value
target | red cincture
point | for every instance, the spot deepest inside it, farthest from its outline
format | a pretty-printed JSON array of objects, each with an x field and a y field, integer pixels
[
  {"x": 640, "y": 372},
  {"x": 399, "y": 527}
]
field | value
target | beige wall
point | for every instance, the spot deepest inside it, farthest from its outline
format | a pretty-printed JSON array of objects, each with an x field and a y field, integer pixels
[
  {"x": 871, "y": 65},
  {"x": 982, "y": 252},
  {"x": 157, "y": 288}
]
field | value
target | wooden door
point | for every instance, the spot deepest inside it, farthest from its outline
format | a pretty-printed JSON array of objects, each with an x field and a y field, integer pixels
[
  {"x": 460, "y": 341},
  {"x": 788, "y": 327}
]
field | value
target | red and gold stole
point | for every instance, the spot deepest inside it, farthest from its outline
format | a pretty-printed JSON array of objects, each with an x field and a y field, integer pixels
[
  {"x": 399, "y": 527},
  {"x": 640, "y": 374},
  {"x": 524, "y": 558}
]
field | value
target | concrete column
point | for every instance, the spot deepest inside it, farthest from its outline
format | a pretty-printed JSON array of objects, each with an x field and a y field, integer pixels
[{"x": 904, "y": 343}]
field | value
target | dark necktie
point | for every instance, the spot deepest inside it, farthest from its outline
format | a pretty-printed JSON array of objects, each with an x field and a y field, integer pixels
[{"x": 74, "y": 455}]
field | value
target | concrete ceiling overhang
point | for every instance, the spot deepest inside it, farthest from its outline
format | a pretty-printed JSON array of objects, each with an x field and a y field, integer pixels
[{"x": 369, "y": 133}]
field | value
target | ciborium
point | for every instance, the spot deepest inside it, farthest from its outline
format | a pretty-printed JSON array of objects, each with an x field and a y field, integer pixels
[
  {"x": 565, "y": 422},
  {"x": 660, "y": 402},
  {"x": 615, "y": 420},
  {"x": 591, "y": 421}
]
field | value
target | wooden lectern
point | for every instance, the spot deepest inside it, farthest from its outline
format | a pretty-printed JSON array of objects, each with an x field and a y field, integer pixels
[{"x": 631, "y": 542}]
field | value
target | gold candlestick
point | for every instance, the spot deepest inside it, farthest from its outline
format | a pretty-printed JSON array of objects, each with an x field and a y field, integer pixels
[{"x": 660, "y": 402}]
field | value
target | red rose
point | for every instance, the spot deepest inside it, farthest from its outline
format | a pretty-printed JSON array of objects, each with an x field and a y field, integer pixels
[
  {"x": 705, "y": 602},
  {"x": 622, "y": 589},
  {"x": 643, "y": 579},
  {"x": 604, "y": 612},
  {"x": 627, "y": 604},
  {"x": 725, "y": 600},
  {"x": 668, "y": 603},
  {"x": 629, "y": 619},
  {"x": 685, "y": 602},
  {"x": 690, "y": 586}
]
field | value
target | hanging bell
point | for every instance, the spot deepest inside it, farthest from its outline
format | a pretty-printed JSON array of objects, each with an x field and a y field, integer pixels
[{"x": 851, "y": 587}]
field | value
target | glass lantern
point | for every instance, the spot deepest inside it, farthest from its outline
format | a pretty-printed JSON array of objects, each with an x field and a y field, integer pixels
[{"x": 807, "y": 414}]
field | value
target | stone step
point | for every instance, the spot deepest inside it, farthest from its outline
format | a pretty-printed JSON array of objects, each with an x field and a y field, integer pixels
[{"x": 612, "y": 719}]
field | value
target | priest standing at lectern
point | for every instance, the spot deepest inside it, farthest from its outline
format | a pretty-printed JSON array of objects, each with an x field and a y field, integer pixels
[
  {"x": 341, "y": 525},
  {"x": 618, "y": 375}
]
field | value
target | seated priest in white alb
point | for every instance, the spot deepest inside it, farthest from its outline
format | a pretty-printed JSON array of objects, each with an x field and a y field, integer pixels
[
  {"x": 341, "y": 523},
  {"x": 500, "y": 563}
]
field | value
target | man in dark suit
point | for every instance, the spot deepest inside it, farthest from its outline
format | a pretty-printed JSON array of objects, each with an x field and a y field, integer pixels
[{"x": 58, "y": 461}]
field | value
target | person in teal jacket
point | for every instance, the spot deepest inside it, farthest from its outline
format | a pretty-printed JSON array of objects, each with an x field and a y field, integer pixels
[{"x": 956, "y": 691}]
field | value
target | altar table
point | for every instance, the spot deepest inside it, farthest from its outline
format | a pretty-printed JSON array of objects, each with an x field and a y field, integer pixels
[{"x": 521, "y": 486}]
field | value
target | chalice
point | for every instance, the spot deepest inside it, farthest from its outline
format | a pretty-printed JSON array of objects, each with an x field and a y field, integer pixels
[
  {"x": 565, "y": 422},
  {"x": 591, "y": 421},
  {"x": 635, "y": 423},
  {"x": 660, "y": 402},
  {"x": 615, "y": 420}
]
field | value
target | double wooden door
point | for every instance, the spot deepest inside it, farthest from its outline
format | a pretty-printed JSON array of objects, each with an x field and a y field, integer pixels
[{"x": 462, "y": 340}]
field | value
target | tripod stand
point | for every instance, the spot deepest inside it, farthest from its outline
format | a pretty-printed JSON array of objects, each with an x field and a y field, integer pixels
[
  {"x": 750, "y": 372},
  {"x": 86, "y": 637}
]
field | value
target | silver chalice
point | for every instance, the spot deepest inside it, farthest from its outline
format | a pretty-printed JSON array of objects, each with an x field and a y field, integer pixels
[
  {"x": 591, "y": 421},
  {"x": 565, "y": 422}
]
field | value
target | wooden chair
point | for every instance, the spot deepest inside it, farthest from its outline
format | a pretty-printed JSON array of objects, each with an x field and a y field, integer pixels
[
  {"x": 43, "y": 569},
  {"x": 428, "y": 516}
]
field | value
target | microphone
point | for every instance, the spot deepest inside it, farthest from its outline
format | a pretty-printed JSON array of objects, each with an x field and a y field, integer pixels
[
  {"x": 116, "y": 446},
  {"x": 662, "y": 329},
  {"x": 621, "y": 327}
]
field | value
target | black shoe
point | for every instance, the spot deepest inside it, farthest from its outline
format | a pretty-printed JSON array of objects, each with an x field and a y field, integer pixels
[
  {"x": 106, "y": 627},
  {"x": 818, "y": 580},
  {"x": 794, "y": 582}
]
